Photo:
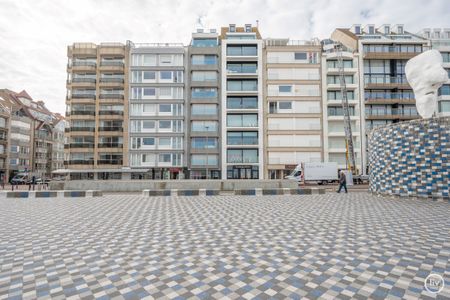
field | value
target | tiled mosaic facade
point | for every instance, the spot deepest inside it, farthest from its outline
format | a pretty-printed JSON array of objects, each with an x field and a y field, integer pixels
[{"x": 411, "y": 158}]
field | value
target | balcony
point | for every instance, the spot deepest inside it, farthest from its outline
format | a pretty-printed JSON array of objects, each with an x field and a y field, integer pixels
[
  {"x": 109, "y": 162},
  {"x": 112, "y": 65},
  {"x": 80, "y": 162},
  {"x": 82, "y": 113},
  {"x": 110, "y": 113},
  {"x": 389, "y": 52},
  {"x": 385, "y": 82},
  {"x": 389, "y": 98},
  {"x": 83, "y": 96},
  {"x": 111, "y": 96},
  {"x": 110, "y": 145},
  {"x": 394, "y": 114},
  {"x": 120, "y": 129},
  {"x": 82, "y": 82},
  {"x": 83, "y": 66},
  {"x": 88, "y": 129},
  {"x": 112, "y": 81},
  {"x": 233, "y": 141},
  {"x": 79, "y": 145}
]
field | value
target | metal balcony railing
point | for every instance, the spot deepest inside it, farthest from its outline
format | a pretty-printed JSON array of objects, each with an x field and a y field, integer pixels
[
  {"x": 109, "y": 162},
  {"x": 82, "y": 113},
  {"x": 110, "y": 145},
  {"x": 84, "y": 63},
  {"x": 90, "y": 129},
  {"x": 111, "y": 96},
  {"x": 110, "y": 113},
  {"x": 83, "y": 79},
  {"x": 120, "y": 129},
  {"x": 112, "y": 79}
]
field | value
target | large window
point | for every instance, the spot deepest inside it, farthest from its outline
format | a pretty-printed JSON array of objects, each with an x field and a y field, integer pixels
[
  {"x": 204, "y": 126},
  {"x": 337, "y": 111},
  {"x": 204, "y": 109},
  {"x": 444, "y": 90},
  {"x": 210, "y": 76},
  {"x": 242, "y": 155},
  {"x": 335, "y": 79},
  {"x": 199, "y": 93},
  {"x": 242, "y": 102},
  {"x": 206, "y": 42},
  {"x": 336, "y": 95},
  {"x": 241, "y": 67},
  {"x": 242, "y": 85},
  {"x": 204, "y": 59},
  {"x": 242, "y": 50},
  {"x": 204, "y": 160},
  {"x": 242, "y": 138},
  {"x": 242, "y": 120},
  {"x": 204, "y": 143},
  {"x": 335, "y": 64},
  {"x": 446, "y": 56},
  {"x": 300, "y": 55}
]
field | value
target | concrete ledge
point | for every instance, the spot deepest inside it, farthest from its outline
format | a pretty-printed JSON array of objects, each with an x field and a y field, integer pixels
[
  {"x": 49, "y": 194},
  {"x": 18, "y": 194},
  {"x": 188, "y": 192},
  {"x": 212, "y": 192},
  {"x": 74, "y": 194},
  {"x": 249, "y": 192},
  {"x": 273, "y": 191},
  {"x": 148, "y": 193},
  {"x": 46, "y": 194}
]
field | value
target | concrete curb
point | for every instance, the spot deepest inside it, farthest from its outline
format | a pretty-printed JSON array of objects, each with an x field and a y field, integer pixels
[
  {"x": 49, "y": 194},
  {"x": 241, "y": 192}
]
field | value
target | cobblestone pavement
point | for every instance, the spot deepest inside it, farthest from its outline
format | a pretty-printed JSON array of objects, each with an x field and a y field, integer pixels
[{"x": 126, "y": 246}]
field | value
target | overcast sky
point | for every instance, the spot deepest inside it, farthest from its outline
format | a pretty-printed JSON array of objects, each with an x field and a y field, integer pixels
[{"x": 34, "y": 34}]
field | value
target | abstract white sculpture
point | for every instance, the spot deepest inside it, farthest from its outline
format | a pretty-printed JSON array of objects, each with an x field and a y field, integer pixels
[{"x": 426, "y": 75}]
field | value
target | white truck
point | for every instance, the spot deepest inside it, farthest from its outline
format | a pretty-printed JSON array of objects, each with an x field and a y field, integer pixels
[{"x": 320, "y": 172}]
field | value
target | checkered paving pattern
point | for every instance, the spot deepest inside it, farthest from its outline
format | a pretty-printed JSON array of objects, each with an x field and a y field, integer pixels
[{"x": 333, "y": 246}]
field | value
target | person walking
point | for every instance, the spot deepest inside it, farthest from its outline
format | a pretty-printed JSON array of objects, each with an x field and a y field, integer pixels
[{"x": 342, "y": 182}]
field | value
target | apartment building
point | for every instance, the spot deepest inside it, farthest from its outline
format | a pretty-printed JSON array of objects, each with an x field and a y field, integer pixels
[
  {"x": 440, "y": 40},
  {"x": 293, "y": 110},
  {"x": 157, "y": 113},
  {"x": 204, "y": 105},
  {"x": 4, "y": 134},
  {"x": 27, "y": 129},
  {"x": 59, "y": 125},
  {"x": 97, "y": 111},
  {"x": 334, "y": 140},
  {"x": 242, "y": 102},
  {"x": 384, "y": 51}
]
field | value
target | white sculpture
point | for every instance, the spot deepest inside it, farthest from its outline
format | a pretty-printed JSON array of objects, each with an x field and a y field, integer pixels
[{"x": 426, "y": 75}]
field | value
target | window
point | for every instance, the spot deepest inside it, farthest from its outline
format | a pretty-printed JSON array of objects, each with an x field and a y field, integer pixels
[
  {"x": 248, "y": 28},
  {"x": 164, "y": 124},
  {"x": 285, "y": 105},
  {"x": 204, "y": 76},
  {"x": 242, "y": 156},
  {"x": 203, "y": 160},
  {"x": 204, "y": 126},
  {"x": 244, "y": 50},
  {"x": 285, "y": 88},
  {"x": 164, "y": 141},
  {"x": 165, "y": 75},
  {"x": 166, "y": 157},
  {"x": 241, "y": 67},
  {"x": 204, "y": 59},
  {"x": 204, "y": 109},
  {"x": 357, "y": 29},
  {"x": 300, "y": 55},
  {"x": 204, "y": 143},
  {"x": 242, "y": 138},
  {"x": 242, "y": 85},
  {"x": 206, "y": 42},
  {"x": 232, "y": 28},
  {"x": 446, "y": 56},
  {"x": 149, "y": 92},
  {"x": 201, "y": 93},
  {"x": 148, "y": 124},
  {"x": 149, "y": 75},
  {"x": 444, "y": 106},
  {"x": 165, "y": 59},
  {"x": 165, "y": 108},
  {"x": 242, "y": 120},
  {"x": 387, "y": 30},
  {"x": 400, "y": 29},
  {"x": 242, "y": 102},
  {"x": 371, "y": 30},
  {"x": 444, "y": 90},
  {"x": 148, "y": 141}
]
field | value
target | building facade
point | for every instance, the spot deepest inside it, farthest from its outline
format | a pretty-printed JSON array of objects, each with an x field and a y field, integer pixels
[
  {"x": 157, "y": 113},
  {"x": 334, "y": 140},
  {"x": 384, "y": 51},
  {"x": 242, "y": 103},
  {"x": 97, "y": 110},
  {"x": 204, "y": 106},
  {"x": 292, "y": 104}
]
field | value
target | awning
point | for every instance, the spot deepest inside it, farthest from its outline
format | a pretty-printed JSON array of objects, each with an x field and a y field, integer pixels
[{"x": 68, "y": 171}]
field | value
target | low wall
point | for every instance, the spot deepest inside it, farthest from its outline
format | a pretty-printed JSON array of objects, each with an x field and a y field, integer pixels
[
  {"x": 140, "y": 185},
  {"x": 411, "y": 158}
]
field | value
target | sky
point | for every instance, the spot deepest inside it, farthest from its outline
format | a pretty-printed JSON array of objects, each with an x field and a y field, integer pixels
[{"x": 34, "y": 34}]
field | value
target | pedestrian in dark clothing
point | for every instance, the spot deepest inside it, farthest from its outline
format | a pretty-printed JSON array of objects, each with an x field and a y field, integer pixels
[
  {"x": 32, "y": 182},
  {"x": 342, "y": 182}
]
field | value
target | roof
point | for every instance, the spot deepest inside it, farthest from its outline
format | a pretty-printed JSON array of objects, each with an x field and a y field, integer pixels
[{"x": 68, "y": 171}]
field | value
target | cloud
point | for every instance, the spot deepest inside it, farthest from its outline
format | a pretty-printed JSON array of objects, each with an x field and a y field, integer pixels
[{"x": 35, "y": 34}]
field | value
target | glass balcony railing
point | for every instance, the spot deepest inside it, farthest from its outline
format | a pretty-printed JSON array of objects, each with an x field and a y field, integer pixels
[
  {"x": 90, "y": 129},
  {"x": 111, "y": 96},
  {"x": 370, "y": 96},
  {"x": 110, "y": 113},
  {"x": 242, "y": 141},
  {"x": 109, "y": 162},
  {"x": 110, "y": 145},
  {"x": 83, "y": 96},
  {"x": 113, "y": 63},
  {"x": 84, "y": 79},
  {"x": 80, "y": 161},
  {"x": 81, "y": 63},
  {"x": 112, "y": 79},
  {"x": 383, "y": 79},
  {"x": 79, "y": 145},
  {"x": 82, "y": 113},
  {"x": 110, "y": 129}
]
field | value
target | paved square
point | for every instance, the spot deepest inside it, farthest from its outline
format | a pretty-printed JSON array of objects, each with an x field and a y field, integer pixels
[{"x": 346, "y": 246}]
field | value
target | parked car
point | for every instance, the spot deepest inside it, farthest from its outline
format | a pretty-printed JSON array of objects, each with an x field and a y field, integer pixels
[{"x": 20, "y": 178}]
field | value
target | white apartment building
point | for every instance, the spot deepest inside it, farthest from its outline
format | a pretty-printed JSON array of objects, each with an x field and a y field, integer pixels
[
  {"x": 157, "y": 110},
  {"x": 334, "y": 145},
  {"x": 242, "y": 103},
  {"x": 440, "y": 40},
  {"x": 293, "y": 110}
]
